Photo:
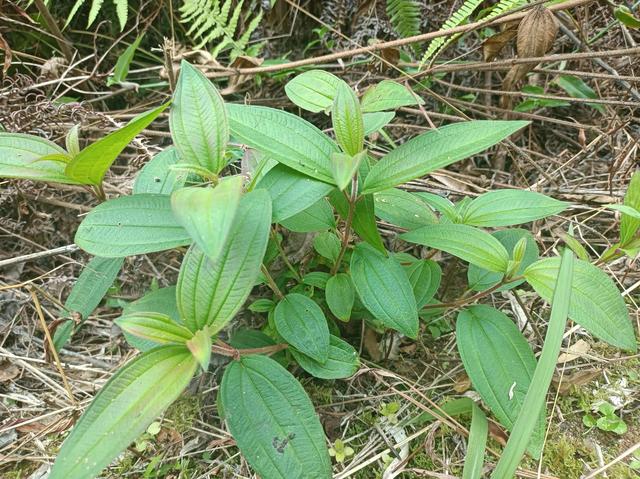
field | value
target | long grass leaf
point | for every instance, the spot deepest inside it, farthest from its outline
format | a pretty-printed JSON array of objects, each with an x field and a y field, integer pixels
[{"x": 535, "y": 398}]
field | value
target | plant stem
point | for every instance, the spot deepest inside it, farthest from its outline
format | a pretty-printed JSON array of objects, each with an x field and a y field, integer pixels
[
  {"x": 475, "y": 297},
  {"x": 64, "y": 44},
  {"x": 272, "y": 284},
  {"x": 225, "y": 349},
  {"x": 353, "y": 198},
  {"x": 274, "y": 235}
]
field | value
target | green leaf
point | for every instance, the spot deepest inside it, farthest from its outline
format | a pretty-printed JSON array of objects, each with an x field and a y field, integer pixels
[
  {"x": 403, "y": 209},
  {"x": 291, "y": 191},
  {"x": 626, "y": 17},
  {"x": 466, "y": 242},
  {"x": 131, "y": 225},
  {"x": 347, "y": 121},
  {"x": 198, "y": 120},
  {"x": 200, "y": 347},
  {"x": 317, "y": 217},
  {"x": 344, "y": 167},
  {"x": 436, "y": 149},
  {"x": 284, "y": 137},
  {"x": 211, "y": 292},
  {"x": 157, "y": 175},
  {"x": 19, "y": 154},
  {"x": 577, "y": 88},
  {"x": 373, "y": 122},
  {"x": 384, "y": 289},
  {"x": 388, "y": 95},
  {"x": 534, "y": 402},
  {"x": 596, "y": 304},
  {"x": 628, "y": 224},
  {"x": 161, "y": 300},
  {"x": 364, "y": 220},
  {"x": 575, "y": 246},
  {"x": 123, "y": 409},
  {"x": 317, "y": 279},
  {"x": 627, "y": 210},
  {"x": 314, "y": 90},
  {"x": 72, "y": 142},
  {"x": 208, "y": 213},
  {"x": 443, "y": 205},
  {"x": 124, "y": 61},
  {"x": 478, "y": 433},
  {"x": 327, "y": 245},
  {"x": 93, "y": 283},
  {"x": 122, "y": 7},
  {"x": 510, "y": 207},
  {"x": 301, "y": 323},
  {"x": 499, "y": 363},
  {"x": 481, "y": 279},
  {"x": 155, "y": 327},
  {"x": 273, "y": 421},
  {"x": 342, "y": 361},
  {"x": 340, "y": 296},
  {"x": 424, "y": 276},
  {"x": 91, "y": 164}
]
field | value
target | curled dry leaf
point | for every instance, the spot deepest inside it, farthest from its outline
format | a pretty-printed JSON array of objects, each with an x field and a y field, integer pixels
[
  {"x": 536, "y": 33},
  {"x": 493, "y": 45}
]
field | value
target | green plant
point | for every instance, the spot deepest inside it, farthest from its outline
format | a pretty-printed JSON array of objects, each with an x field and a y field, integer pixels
[
  {"x": 302, "y": 180},
  {"x": 217, "y": 20},
  {"x": 607, "y": 419},
  {"x": 404, "y": 15},
  {"x": 122, "y": 7}
]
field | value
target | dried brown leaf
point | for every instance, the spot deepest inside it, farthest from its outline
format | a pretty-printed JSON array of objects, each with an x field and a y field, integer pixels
[{"x": 493, "y": 45}]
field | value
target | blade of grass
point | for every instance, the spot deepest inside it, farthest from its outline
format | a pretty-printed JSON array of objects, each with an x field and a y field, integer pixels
[
  {"x": 476, "y": 445},
  {"x": 535, "y": 399}
]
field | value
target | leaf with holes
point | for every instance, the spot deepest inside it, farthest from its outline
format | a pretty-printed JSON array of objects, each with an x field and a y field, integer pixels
[{"x": 157, "y": 175}]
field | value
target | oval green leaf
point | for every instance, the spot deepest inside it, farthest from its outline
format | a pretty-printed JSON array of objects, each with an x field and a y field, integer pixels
[
  {"x": 403, "y": 209},
  {"x": 273, "y": 421},
  {"x": 123, "y": 409},
  {"x": 347, "y": 122},
  {"x": 211, "y": 292},
  {"x": 436, "y": 149},
  {"x": 342, "y": 361},
  {"x": 340, "y": 296},
  {"x": 596, "y": 303},
  {"x": 388, "y": 95},
  {"x": 466, "y": 242},
  {"x": 208, "y": 213},
  {"x": 424, "y": 276},
  {"x": 155, "y": 327},
  {"x": 291, "y": 191},
  {"x": 384, "y": 289},
  {"x": 198, "y": 120},
  {"x": 317, "y": 217},
  {"x": 301, "y": 323},
  {"x": 314, "y": 90},
  {"x": 284, "y": 137},
  {"x": 499, "y": 363},
  {"x": 131, "y": 225},
  {"x": 510, "y": 207}
]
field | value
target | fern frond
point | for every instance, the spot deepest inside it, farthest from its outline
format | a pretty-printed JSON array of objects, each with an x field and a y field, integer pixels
[
  {"x": 458, "y": 17},
  {"x": 404, "y": 15},
  {"x": 213, "y": 20},
  {"x": 122, "y": 10},
  {"x": 122, "y": 7},
  {"x": 503, "y": 6}
]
